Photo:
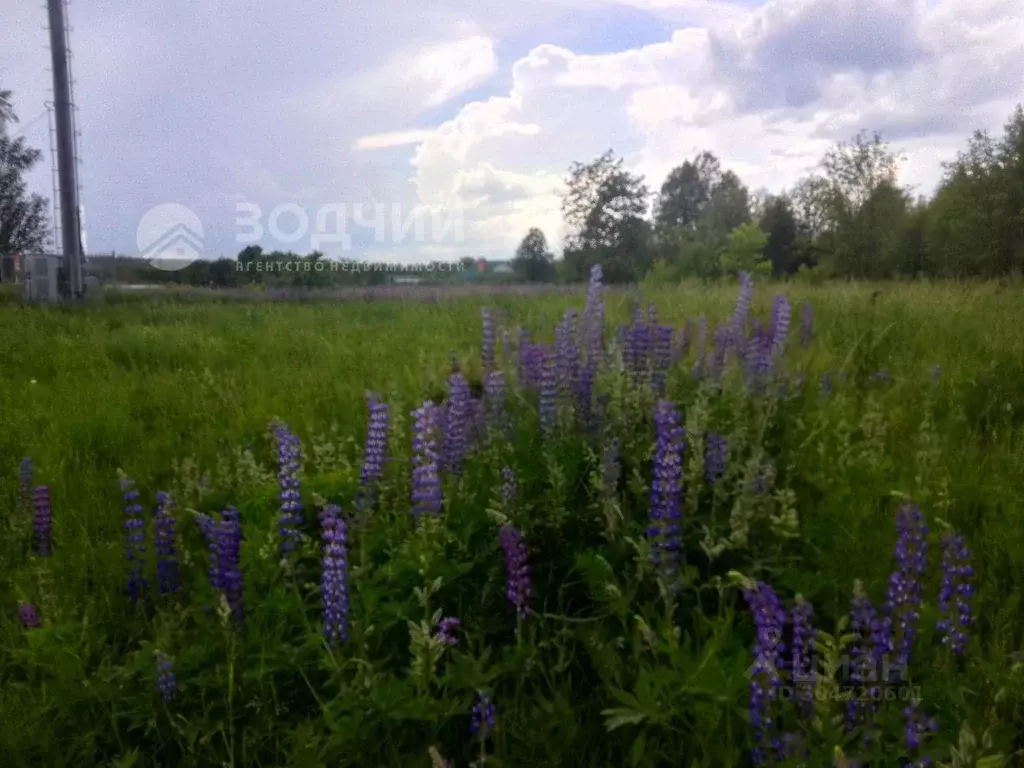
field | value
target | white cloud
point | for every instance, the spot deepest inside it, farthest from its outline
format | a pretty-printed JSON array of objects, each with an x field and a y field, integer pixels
[
  {"x": 455, "y": 68},
  {"x": 392, "y": 139},
  {"x": 734, "y": 87}
]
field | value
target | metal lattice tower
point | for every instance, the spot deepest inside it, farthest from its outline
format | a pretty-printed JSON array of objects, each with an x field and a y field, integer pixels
[
  {"x": 53, "y": 175},
  {"x": 70, "y": 230}
]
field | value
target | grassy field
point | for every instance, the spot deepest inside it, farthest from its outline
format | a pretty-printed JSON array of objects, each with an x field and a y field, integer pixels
[{"x": 922, "y": 399}]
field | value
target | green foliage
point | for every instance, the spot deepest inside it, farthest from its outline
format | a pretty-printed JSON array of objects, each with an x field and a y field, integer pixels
[
  {"x": 604, "y": 209},
  {"x": 533, "y": 262},
  {"x": 743, "y": 251},
  {"x": 24, "y": 218},
  {"x": 609, "y": 669}
]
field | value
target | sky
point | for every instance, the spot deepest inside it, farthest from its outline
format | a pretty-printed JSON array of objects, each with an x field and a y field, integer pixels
[{"x": 404, "y": 130}]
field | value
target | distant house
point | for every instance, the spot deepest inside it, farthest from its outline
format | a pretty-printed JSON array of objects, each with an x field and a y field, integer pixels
[{"x": 501, "y": 267}]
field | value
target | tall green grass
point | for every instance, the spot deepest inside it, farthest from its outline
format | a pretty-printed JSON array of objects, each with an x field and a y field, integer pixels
[{"x": 142, "y": 386}]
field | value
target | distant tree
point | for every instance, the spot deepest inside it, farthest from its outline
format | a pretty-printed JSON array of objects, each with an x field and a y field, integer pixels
[
  {"x": 533, "y": 262},
  {"x": 696, "y": 209},
  {"x": 744, "y": 251},
  {"x": 779, "y": 223},
  {"x": 604, "y": 209},
  {"x": 6, "y": 109},
  {"x": 686, "y": 192},
  {"x": 23, "y": 216},
  {"x": 729, "y": 205},
  {"x": 975, "y": 224}
]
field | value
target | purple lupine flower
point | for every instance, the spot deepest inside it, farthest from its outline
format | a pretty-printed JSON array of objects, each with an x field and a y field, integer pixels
[
  {"x": 494, "y": 400},
  {"x": 135, "y": 540},
  {"x": 666, "y": 512},
  {"x": 917, "y": 725},
  {"x": 742, "y": 310},
  {"x": 807, "y": 324},
  {"x": 715, "y": 455},
  {"x": 518, "y": 588},
  {"x": 592, "y": 342},
  {"x": 458, "y": 423},
  {"x": 612, "y": 467},
  {"x": 376, "y": 449},
  {"x": 780, "y": 323},
  {"x": 882, "y": 375},
  {"x": 548, "y": 393},
  {"x": 508, "y": 485},
  {"x": 802, "y": 654},
  {"x": 226, "y": 561},
  {"x": 29, "y": 616},
  {"x": 289, "y": 458},
  {"x": 759, "y": 358},
  {"x": 702, "y": 343},
  {"x": 334, "y": 578},
  {"x": 682, "y": 340},
  {"x": 42, "y": 520},
  {"x": 446, "y": 629},
  {"x": 165, "y": 543},
  {"x": 487, "y": 347},
  {"x": 484, "y": 717},
  {"x": 567, "y": 355},
  {"x": 766, "y": 678},
  {"x": 719, "y": 349},
  {"x": 25, "y": 481},
  {"x": 866, "y": 653},
  {"x": 957, "y": 573},
  {"x": 661, "y": 356},
  {"x": 426, "y": 479},
  {"x": 166, "y": 683},
  {"x": 506, "y": 341},
  {"x": 593, "y": 314},
  {"x": 477, "y": 421},
  {"x": 525, "y": 350},
  {"x": 638, "y": 347},
  {"x": 935, "y": 373},
  {"x": 904, "y": 598}
]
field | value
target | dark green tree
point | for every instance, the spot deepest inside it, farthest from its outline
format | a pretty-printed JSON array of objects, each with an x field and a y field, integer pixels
[
  {"x": 23, "y": 216},
  {"x": 533, "y": 261},
  {"x": 605, "y": 208}
]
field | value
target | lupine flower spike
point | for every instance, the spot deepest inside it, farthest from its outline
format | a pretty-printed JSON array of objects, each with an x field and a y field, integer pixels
[
  {"x": 166, "y": 683},
  {"x": 518, "y": 587},
  {"x": 334, "y": 583},
  {"x": 446, "y": 631},
  {"x": 426, "y": 480},
  {"x": 484, "y": 717},
  {"x": 135, "y": 539},
  {"x": 225, "y": 560},
  {"x": 765, "y": 680},
  {"x": 956, "y": 593},
  {"x": 42, "y": 520},
  {"x": 289, "y": 458},
  {"x": 165, "y": 542},
  {"x": 666, "y": 513},
  {"x": 903, "y": 606},
  {"x": 25, "y": 481}
]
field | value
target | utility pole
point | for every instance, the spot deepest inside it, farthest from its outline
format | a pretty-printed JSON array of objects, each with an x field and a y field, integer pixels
[{"x": 71, "y": 232}]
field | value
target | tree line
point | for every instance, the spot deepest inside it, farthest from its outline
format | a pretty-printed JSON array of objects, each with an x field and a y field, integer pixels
[{"x": 849, "y": 219}]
